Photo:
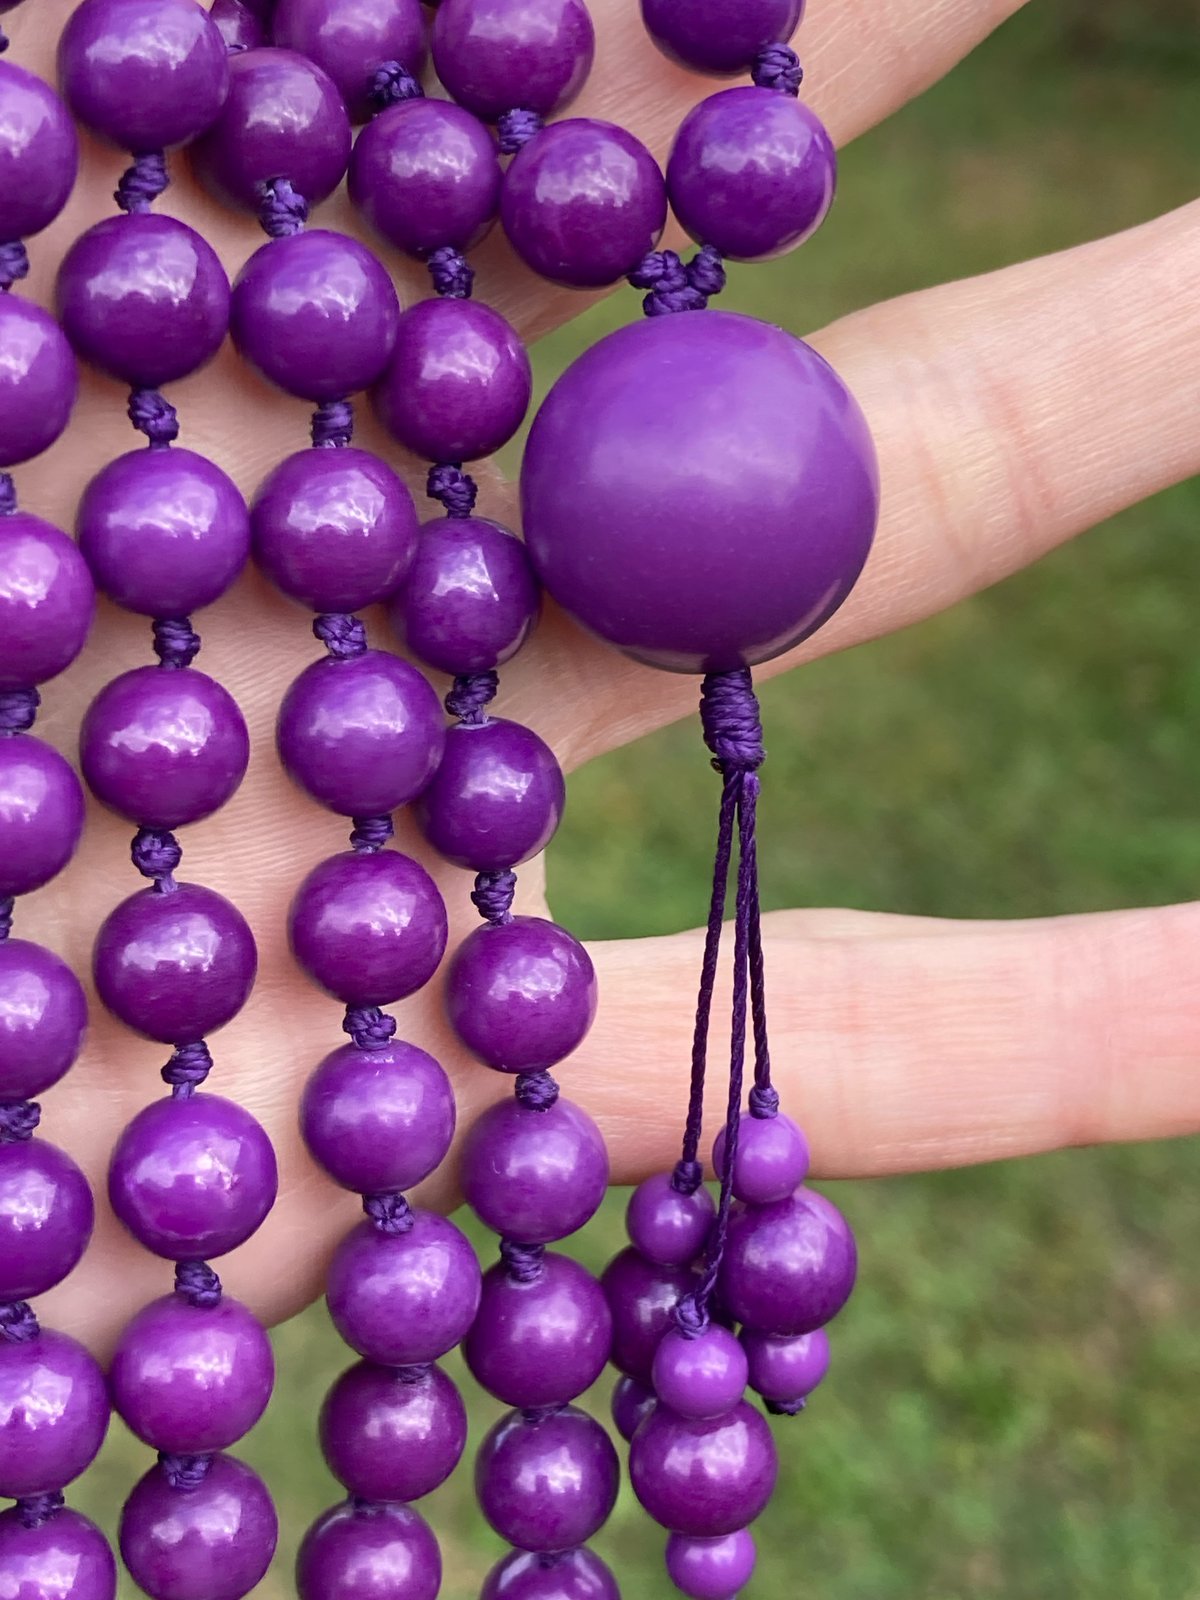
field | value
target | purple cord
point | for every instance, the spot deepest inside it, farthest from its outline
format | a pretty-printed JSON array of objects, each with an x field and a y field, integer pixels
[
  {"x": 17, "y": 1322},
  {"x": 522, "y": 1262},
  {"x": 452, "y": 487},
  {"x": 198, "y": 1284},
  {"x": 184, "y": 1472},
  {"x": 675, "y": 285},
  {"x": 332, "y": 426},
  {"x": 153, "y": 414},
  {"x": 34, "y": 1509},
  {"x": 451, "y": 274},
  {"x": 141, "y": 184},
  {"x": 156, "y": 854},
  {"x": 392, "y": 83},
  {"x": 176, "y": 643},
  {"x": 777, "y": 66},
  {"x": 369, "y": 1027},
  {"x": 8, "y": 494},
  {"x": 370, "y": 834},
  {"x": 342, "y": 635},
  {"x": 492, "y": 895},
  {"x": 536, "y": 1091},
  {"x": 515, "y": 128},
  {"x": 282, "y": 211},
  {"x": 14, "y": 264},
  {"x": 18, "y": 709},
  {"x": 7, "y": 902},
  {"x": 390, "y": 1213},
  {"x": 18, "y": 1120},
  {"x": 189, "y": 1066},
  {"x": 469, "y": 696}
]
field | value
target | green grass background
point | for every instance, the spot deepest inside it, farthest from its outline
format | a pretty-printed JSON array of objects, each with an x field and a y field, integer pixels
[{"x": 1015, "y": 1403}]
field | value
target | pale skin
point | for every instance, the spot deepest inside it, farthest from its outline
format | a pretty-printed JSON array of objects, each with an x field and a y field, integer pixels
[{"x": 1011, "y": 412}]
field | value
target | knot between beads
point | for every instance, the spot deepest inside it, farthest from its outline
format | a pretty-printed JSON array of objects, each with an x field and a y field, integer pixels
[
  {"x": 7, "y": 902},
  {"x": 454, "y": 489},
  {"x": 35, "y": 1509},
  {"x": 154, "y": 415},
  {"x": 687, "y": 1177},
  {"x": 522, "y": 1262},
  {"x": 690, "y": 1317},
  {"x": 777, "y": 66},
  {"x": 390, "y": 1213},
  {"x": 492, "y": 895},
  {"x": 8, "y": 493},
  {"x": 515, "y": 128},
  {"x": 332, "y": 426},
  {"x": 18, "y": 710},
  {"x": 187, "y": 1069},
  {"x": 369, "y": 834},
  {"x": 14, "y": 264},
  {"x": 764, "y": 1101},
  {"x": 176, "y": 643},
  {"x": 282, "y": 211},
  {"x": 198, "y": 1284},
  {"x": 18, "y": 1324},
  {"x": 141, "y": 184},
  {"x": 369, "y": 1027},
  {"x": 451, "y": 273},
  {"x": 392, "y": 83},
  {"x": 19, "y": 1120},
  {"x": 675, "y": 285},
  {"x": 730, "y": 718},
  {"x": 342, "y": 635},
  {"x": 470, "y": 694},
  {"x": 535, "y": 1091},
  {"x": 184, "y": 1472},
  {"x": 156, "y": 854},
  {"x": 784, "y": 1408}
]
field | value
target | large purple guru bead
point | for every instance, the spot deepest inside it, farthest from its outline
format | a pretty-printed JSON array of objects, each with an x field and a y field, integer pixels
[
  {"x": 351, "y": 39},
  {"x": 369, "y": 1552},
  {"x": 43, "y": 1014},
  {"x": 494, "y": 55},
  {"x": 788, "y": 1267},
  {"x": 47, "y": 600},
  {"x": 547, "y": 1482},
  {"x": 213, "y": 1541},
  {"x": 38, "y": 380},
  {"x": 721, "y": 37},
  {"x": 569, "y": 1575},
  {"x": 703, "y": 1478},
  {"x": 66, "y": 1557},
  {"x": 39, "y": 153},
  {"x": 393, "y": 1433},
  {"x": 53, "y": 1413}
]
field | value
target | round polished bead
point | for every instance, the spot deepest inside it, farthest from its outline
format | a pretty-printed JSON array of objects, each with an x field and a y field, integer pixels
[
  {"x": 572, "y": 1575},
  {"x": 378, "y": 1120},
  {"x": 404, "y": 1298},
  {"x": 543, "y": 1342},
  {"x": 41, "y": 814},
  {"x": 785, "y": 457},
  {"x": 191, "y": 1379},
  {"x": 39, "y": 153},
  {"x": 704, "y": 1479},
  {"x": 192, "y": 1178},
  {"x": 459, "y": 381},
  {"x": 369, "y": 1552},
  {"x": 425, "y": 175},
  {"x": 785, "y": 1369},
  {"x": 721, "y": 37},
  {"x": 496, "y": 799},
  {"x": 666, "y": 1226},
  {"x": 521, "y": 995},
  {"x": 43, "y": 1015},
  {"x": 47, "y": 601},
  {"x": 240, "y": 28},
  {"x": 494, "y": 55},
  {"x": 583, "y": 202},
  {"x": 211, "y": 1542},
  {"x": 362, "y": 735},
  {"x": 699, "y": 1376},
  {"x": 175, "y": 966},
  {"x": 46, "y": 1217},
  {"x": 283, "y": 119},
  {"x": 334, "y": 529},
  {"x": 470, "y": 598},
  {"x": 534, "y": 1176},
  {"x": 632, "y": 1403},
  {"x": 316, "y": 313},
  {"x": 370, "y": 929},
  {"x": 144, "y": 298},
  {"x": 64, "y": 1558},
  {"x": 53, "y": 1413},
  {"x": 350, "y": 39},
  {"x": 788, "y": 1267},
  {"x": 165, "y": 532},
  {"x": 771, "y": 1160},
  {"x": 38, "y": 380},
  {"x": 546, "y": 1483},
  {"x": 711, "y": 1569},
  {"x": 642, "y": 1299},
  {"x": 392, "y": 1433}
]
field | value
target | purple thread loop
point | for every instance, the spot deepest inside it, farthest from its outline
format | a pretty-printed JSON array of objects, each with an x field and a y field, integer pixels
[
  {"x": 7, "y": 902},
  {"x": 522, "y": 1262},
  {"x": 777, "y": 66},
  {"x": 198, "y": 1284},
  {"x": 469, "y": 696},
  {"x": 492, "y": 895},
  {"x": 18, "y": 1121},
  {"x": 184, "y": 1472},
  {"x": 764, "y": 1101},
  {"x": 34, "y": 1509},
  {"x": 687, "y": 1177},
  {"x": 156, "y": 854},
  {"x": 784, "y": 1408},
  {"x": 176, "y": 643},
  {"x": 141, "y": 184},
  {"x": 18, "y": 709},
  {"x": 281, "y": 211},
  {"x": 452, "y": 487},
  {"x": 392, "y": 83},
  {"x": 154, "y": 415},
  {"x": 691, "y": 1318},
  {"x": 342, "y": 635},
  {"x": 187, "y": 1069},
  {"x": 8, "y": 494},
  {"x": 332, "y": 426},
  {"x": 515, "y": 128},
  {"x": 730, "y": 718},
  {"x": 451, "y": 273},
  {"x": 370, "y": 834},
  {"x": 390, "y": 1213},
  {"x": 17, "y": 1322},
  {"x": 369, "y": 1027},
  {"x": 14, "y": 264},
  {"x": 535, "y": 1091}
]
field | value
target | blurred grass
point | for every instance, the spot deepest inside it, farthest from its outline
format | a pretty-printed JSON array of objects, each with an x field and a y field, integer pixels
[{"x": 1014, "y": 1403}]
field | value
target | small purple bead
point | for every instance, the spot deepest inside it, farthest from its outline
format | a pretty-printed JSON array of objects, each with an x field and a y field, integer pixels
[
  {"x": 41, "y": 814},
  {"x": 495, "y": 55},
  {"x": 669, "y": 1228},
  {"x": 211, "y": 1542},
  {"x": 711, "y": 1569},
  {"x": 175, "y": 966},
  {"x": 702, "y": 1376},
  {"x": 192, "y": 1178},
  {"x": 534, "y": 1176},
  {"x": 369, "y": 1552},
  {"x": 144, "y": 298},
  {"x": 540, "y": 1343},
  {"x": 47, "y": 600},
  {"x": 496, "y": 799},
  {"x": 547, "y": 1483},
  {"x": 391, "y": 1434},
  {"x": 459, "y": 381},
  {"x": 786, "y": 1369},
  {"x": 568, "y": 1575},
  {"x": 425, "y": 175},
  {"x": 788, "y": 1267},
  {"x": 43, "y": 1015},
  {"x": 351, "y": 39},
  {"x": 771, "y": 1162},
  {"x": 404, "y": 1298},
  {"x": 632, "y": 1403},
  {"x": 53, "y": 1413},
  {"x": 642, "y": 1299},
  {"x": 704, "y": 1479},
  {"x": 46, "y": 1216},
  {"x": 38, "y": 380},
  {"x": 721, "y": 37},
  {"x": 39, "y": 153},
  {"x": 521, "y": 995},
  {"x": 64, "y": 1558}
]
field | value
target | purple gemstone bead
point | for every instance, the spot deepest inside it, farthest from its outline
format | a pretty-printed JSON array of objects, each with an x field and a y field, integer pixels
[
  {"x": 64, "y": 1558},
  {"x": 546, "y": 1483},
  {"x": 771, "y": 1162},
  {"x": 38, "y": 380},
  {"x": 751, "y": 172},
  {"x": 700, "y": 1377},
  {"x": 192, "y": 1177},
  {"x": 425, "y": 175},
  {"x": 496, "y": 799},
  {"x": 351, "y": 39},
  {"x": 212, "y": 1542},
  {"x": 53, "y": 1413},
  {"x": 41, "y": 814},
  {"x": 711, "y": 1569},
  {"x": 786, "y": 1369},
  {"x": 334, "y": 529},
  {"x": 788, "y": 1267},
  {"x": 378, "y": 1120},
  {"x": 237, "y": 25},
  {"x": 43, "y": 1015},
  {"x": 583, "y": 202},
  {"x": 283, "y": 119},
  {"x": 540, "y": 1343},
  {"x": 721, "y": 37},
  {"x": 316, "y": 314},
  {"x": 369, "y": 1552},
  {"x": 459, "y": 382},
  {"x": 703, "y": 1479},
  {"x": 164, "y": 531},
  {"x": 795, "y": 453},
  {"x": 494, "y": 55},
  {"x": 39, "y": 153},
  {"x": 174, "y": 966},
  {"x": 369, "y": 929},
  {"x": 569, "y": 1575},
  {"x": 404, "y": 1298},
  {"x": 534, "y": 1176},
  {"x": 362, "y": 735},
  {"x": 143, "y": 298},
  {"x": 393, "y": 1434},
  {"x": 46, "y": 600},
  {"x": 642, "y": 1299},
  {"x": 190, "y": 1379},
  {"x": 632, "y": 1403},
  {"x": 669, "y": 1228},
  {"x": 46, "y": 1217},
  {"x": 521, "y": 995}
]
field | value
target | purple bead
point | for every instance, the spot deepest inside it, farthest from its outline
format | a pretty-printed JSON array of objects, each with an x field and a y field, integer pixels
[
  {"x": 700, "y": 1376},
  {"x": 334, "y": 529},
  {"x": 237, "y": 25},
  {"x": 721, "y": 37},
  {"x": 369, "y": 929},
  {"x": 539, "y": 1343},
  {"x": 64, "y": 1558},
  {"x": 43, "y": 1015},
  {"x": 351, "y": 39},
  {"x": 53, "y": 1413},
  {"x": 459, "y": 381},
  {"x": 534, "y": 1176},
  {"x": 632, "y": 1403},
  {"x": 174, "y": 966},
  {"x": 546, "y": 1483},
  {"x": 190, "y": 1379},
  {"x": 164, "y": 531},
  {"x": 39, "y": 153},
  {"x": 404, "y": 1298},
  {"x": 393, "y": 1434},
  {"x": 425, "y": 175},
  {"x": 211, "y": 1542},
  {"x": 495, "y": 55},
  {"x": 569, "y": 1575},
  {"x": 642, "y": 1299},
  {"x": 583, "y": 202},
  {"x": 41, "y": 814},
  {"x": 633, "y": 418},
  {"x": 771, "y": 1161},
  {"x": 784, "y": 1370},
  {"x": 46, "y": 1217},
  {"x": 192, "y": 1177},
  {"x": 362, "y": 735},
  {"x": 496, "y": 799},
  {"x": 378, "y": 1120},
  {"x": 521, "y": 995},
  {"x": 283, "y": 119},
  {"x": 470, "y": 598},
  {"x": 369, "y": 1552},
  {"x": 47, "y": 601},
  {"x": 667, "y": 1227},
  {"x": 316, "y": 314},
  {"x": 711, "y": 1569},
  {"x": 703, "y": 1479},
  {"x": 38, "y": 381},
  {"x": 144, "y": 298},
  {"x": 751, "y": 172},
  {"x": 788, "y": 1267}
]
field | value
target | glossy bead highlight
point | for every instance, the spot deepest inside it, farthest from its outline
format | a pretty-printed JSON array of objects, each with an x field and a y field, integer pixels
[
  {"x": 43, "y": 1015},
  {"x": 46, "y": 1216},
  {"x": 212, "y": 1542},
  {"x": 521, "y": 995},
  {"x": 391, "y": 1433},
  {"x": 39, "y": 153},
  {"x": 547, "y": 1482},
  {"x": 47, "y": 600},
  {"x": 53, "y": 1413},
  {"x": 38, "y": 381},
  {"x": 41, "y": 814},
  {"x": 534, "y": 1176},
  {"x": 496, "y": 798}
]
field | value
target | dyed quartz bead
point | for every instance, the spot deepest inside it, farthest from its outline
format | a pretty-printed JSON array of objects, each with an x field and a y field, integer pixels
[
  {"x": 393, "y": 1434},
  {"x": 47, "y": 600},
  {"x": 175, "y": 966},
  {"x": 788, "y": 1267},
  {"x": 46, "y": 1217},
  {"x": 534, "y": 1176},
  {"x": 38, "y": 381},
  {"x": 642, "y": 1299},
  {"x": 369, "y": 1552},
  {"x": 459, "y": 381},
  {"x": 711, "y": 1569},
  {"x": 521, "y": 995},
  {"x": 701, "y": 1376},
  {"x": 64, "y": 1558},
  {"x": 144, "y": 298},
  {"x": 785, "y": 1370},
  {"x": 39, "y": 153},
  {"x": 583, "y": 202},
  {"x": 43, "y": 1015},
  {"x": 369, "y": 929},
  {"x": 703, "y": 1479},
  {"x": 494, "y": 55},
  {"x": 721, "y": 37},
  {"x": 192, "y": 1177},
  {"x": 496, "y": 798},
  {"x": 771, "y": 1160},
  {"x": 571, "y": 1575},
  {"x": 666, "y": 1226},
  {"x": 211, "y": 1542},
  {"x": 632, "y": 1403},
  {"x": 539, "y": 1343},
  {"x": 546, "y": 1483},
  {"x": 53, "y": 1413},
  {"x": 41, "y": 814},
  {"x": 334, "y": 529},
  {"x": 351, "y": 39}
]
